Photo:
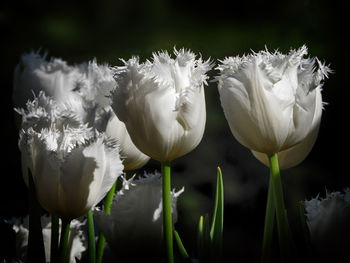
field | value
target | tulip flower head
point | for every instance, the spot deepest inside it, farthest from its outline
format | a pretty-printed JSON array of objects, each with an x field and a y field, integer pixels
[
  {"x": 72, "y": 170},
  {"x": 135, "y": 221},
  {"x": 44, "y": 112},
  {"x": 269, "y": 99},
  {"x": 95, "y": 88},
  {"x": 81, "y": 91},
  {"x": 54, "y": 77},
  {"x": 162, "y": 103},
  {"x": 95, "y": 84}
]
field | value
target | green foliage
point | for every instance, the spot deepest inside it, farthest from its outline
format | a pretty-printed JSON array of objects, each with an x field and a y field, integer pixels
[
  {"x": 210, "y": 237},
  {"x": 209, "y": 240},
  {"x": 183, "y": 253}
]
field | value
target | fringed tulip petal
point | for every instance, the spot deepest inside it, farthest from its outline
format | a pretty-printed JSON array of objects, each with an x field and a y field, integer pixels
[{"x": 162, "y": 103}]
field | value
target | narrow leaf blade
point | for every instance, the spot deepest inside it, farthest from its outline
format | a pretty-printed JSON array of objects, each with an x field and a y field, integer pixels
[
  {"x": 181, "y": 247},
  {"x": 217, "y": 226}
]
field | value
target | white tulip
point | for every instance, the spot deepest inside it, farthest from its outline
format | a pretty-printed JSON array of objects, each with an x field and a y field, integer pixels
[
  {"x": 269, "y": 100},
  {"x": 132, "y": 157},
  {"x": 81, "y": 90},
  {"x": 95, "y": 89},
  {"x": 76, "y": 245},
  {"x": 71, "y": 171},
  {"x": 54, "y": 77},
  {"x": 162, "y": 103},
  {"x": 44, "y": 112},
  {"x": 328, "y": 223},
  {"x": 135, "y": 222},
  {"x": 296, "y": 154},
  {"x": 96, "y": 83}
]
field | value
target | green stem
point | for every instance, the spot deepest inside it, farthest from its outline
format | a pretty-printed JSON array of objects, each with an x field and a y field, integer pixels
[
  {"x": 36, "y": 252},
  {"x": 64, "y": 240},
  {"x": 167, "y": 217},
  {"x": 107, "y": 208},
  {"x": 281, "y": 215},
  {"x": 91, "y": 234},
  {"x": 54, "y": 238},
  {"x": 269, "y": 223}
]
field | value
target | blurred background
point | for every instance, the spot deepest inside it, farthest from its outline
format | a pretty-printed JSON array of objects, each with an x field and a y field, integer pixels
[{"x": 107, "y": 30}]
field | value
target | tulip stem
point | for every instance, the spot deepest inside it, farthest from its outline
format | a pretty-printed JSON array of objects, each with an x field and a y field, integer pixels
[
  {"x": 269, "y": 223},
  {"x": 167, "y": 217},
  {"x": 36, "y": 252},
  {"x": 54, "y": 238},
  {"x": 107, "y": 208},
  {"x": 91, "y": 234},
  {"x": 281, "y": 215},
  {"x": 64, "y": 240}
]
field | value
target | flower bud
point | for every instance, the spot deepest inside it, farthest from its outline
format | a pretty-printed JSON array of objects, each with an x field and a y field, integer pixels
[
  {"x": 162, "y": 103},
  {"x": 72, "y": 171},
  {"x": 135, "y": 222},
  {"x": 269, "y": 100},
  {"x": 81, "y": 91}
]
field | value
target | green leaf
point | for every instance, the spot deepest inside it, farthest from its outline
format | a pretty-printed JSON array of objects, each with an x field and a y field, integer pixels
[
  {"x": 181, "y": 247},
  {"x": 200, "y": 238},
  {"x": 210, "y": 237},
  {"x": 217, "y": 225},
  {"x": 204, "y": 242}
]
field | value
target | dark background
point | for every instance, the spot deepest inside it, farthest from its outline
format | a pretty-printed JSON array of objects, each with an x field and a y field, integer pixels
[{"x": 77, "y": 31}]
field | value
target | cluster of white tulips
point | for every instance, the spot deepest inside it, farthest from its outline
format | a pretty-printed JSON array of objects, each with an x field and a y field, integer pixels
[{"x": 81, "y": 127}]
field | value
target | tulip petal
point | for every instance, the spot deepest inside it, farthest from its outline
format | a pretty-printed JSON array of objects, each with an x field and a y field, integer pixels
[
  {"x": 297, "y": 153},
  {"x": 269, "y": 99},
  {"x": 162, "y": 103},
  {"x": 77, "y": 173},
  {"x": 131, "y": 156},
  {"x": 46, "y": 175}
]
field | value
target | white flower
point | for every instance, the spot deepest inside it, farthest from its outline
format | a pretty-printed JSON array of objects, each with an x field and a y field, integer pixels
[
  {"x": 328, "y": 222},
  {"x": 54, "y": 77},
  {"x": 76, "y": 243},
  {"x": 71, "y": 171},
  {"x": 95, "y": 88},
  {"x": 269, "y": 100},
  {"x": 162, "y": 103},
  {"x": 96, "y": 83},
  {"x": 44, "y": 112},
  {"x": 78, "y": 94},
  {"x": 132, "y": 157},
  {"x": 297, "y": 153},
  {"x": 135, "y": 222}
]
